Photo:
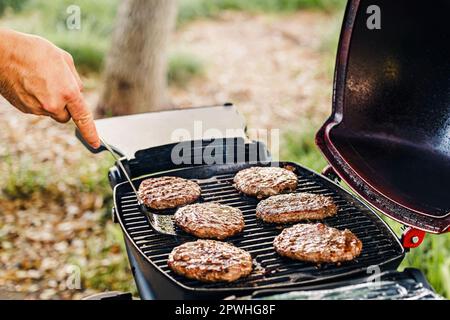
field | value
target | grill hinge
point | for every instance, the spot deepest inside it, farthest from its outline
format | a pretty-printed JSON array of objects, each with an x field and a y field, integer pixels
[
  {"x": 331, "y": 174},
  {"x": 412, "y": 238}
]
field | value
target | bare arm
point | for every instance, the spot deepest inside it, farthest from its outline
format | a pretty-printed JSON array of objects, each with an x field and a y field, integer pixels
[{"x": 39, "y": 78}]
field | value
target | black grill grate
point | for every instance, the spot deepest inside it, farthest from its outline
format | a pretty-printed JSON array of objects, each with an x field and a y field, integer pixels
[{"x": 380, "y": 246}]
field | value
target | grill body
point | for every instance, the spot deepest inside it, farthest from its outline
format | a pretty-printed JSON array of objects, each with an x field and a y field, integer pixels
[{"x": 149, "y": 250}]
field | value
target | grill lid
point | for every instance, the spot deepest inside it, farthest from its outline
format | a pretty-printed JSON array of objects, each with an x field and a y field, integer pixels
[{"x": 388, "y": 135}]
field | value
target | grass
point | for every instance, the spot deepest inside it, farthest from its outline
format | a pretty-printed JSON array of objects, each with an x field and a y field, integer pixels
[
  {"x": 183, "y": 67},
  {"x": 436, "y": 252},
  {"x": 433, "y": 258},
  {"x": 14, "y": 5},
  {"x": 21, "y": 179},
  {"x": 88, "y": 57},
  {"x": 193, "y": 9},
  {"x": 299, "y": 146}
]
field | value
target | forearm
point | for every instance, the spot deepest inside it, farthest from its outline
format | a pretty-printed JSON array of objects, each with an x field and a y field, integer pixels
[
  {"x": 11, "y": 48},
  {"x": 7, "y": 43}
]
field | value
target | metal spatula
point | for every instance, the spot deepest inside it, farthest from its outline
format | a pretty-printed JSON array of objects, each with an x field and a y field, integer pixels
[{"x": 160, "y": 223}]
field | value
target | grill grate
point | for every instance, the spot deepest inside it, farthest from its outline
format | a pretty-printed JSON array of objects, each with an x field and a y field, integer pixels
[{"x": 380, "y": 246}]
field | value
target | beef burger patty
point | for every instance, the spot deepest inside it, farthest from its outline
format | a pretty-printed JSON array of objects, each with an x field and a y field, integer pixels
[
  {"x": 317, "y": 243},
  {"x": 168, "y": 192},
  {"x": 265, "y": 181},
  {"x": 210, "y": 220},
  {"x": 210, "y": 261},
  {"x": 295, "y": 207}
]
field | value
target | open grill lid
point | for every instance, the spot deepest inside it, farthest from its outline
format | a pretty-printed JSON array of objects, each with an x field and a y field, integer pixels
[{"x": 388, "y": 135}]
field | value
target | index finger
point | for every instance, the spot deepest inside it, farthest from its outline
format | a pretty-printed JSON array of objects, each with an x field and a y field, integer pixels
[{"x": 84, "y": 120}]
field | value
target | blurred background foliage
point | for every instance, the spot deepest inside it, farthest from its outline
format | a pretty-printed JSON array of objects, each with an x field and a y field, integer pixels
[
  {"x": 88, "y": 47},
  {"x": 194, "y": 9},
  {"x": 15, "y": 5}
]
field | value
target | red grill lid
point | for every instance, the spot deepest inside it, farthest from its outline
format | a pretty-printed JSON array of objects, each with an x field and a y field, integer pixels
[{"x": 388, "y": 135}]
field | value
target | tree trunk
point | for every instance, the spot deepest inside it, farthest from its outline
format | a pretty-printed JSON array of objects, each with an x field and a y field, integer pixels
[{"x": 136, "y": 66}]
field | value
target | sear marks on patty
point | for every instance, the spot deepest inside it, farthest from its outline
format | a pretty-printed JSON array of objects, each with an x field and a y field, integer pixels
[
  {"x": 210, "y": 261},
  {"x": 210, "y": 220},
  {"x": 168, "y": 192},
  {"x": 295, "y": 207},
  {"x": 317, "y": 243},
  {"x": 263, "y": 182}
]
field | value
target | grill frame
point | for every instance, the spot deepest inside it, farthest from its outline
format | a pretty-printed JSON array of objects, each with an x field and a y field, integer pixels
[{"x": 167, "y": 285}]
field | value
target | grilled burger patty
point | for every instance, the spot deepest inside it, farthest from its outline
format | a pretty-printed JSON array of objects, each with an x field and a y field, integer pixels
[
  {"x": 317, "y": 243},
  {"x": 168, "y": 192},
  {"x": 295, "y": 207},
  {"x": 265, "y": 181},
  {"x": 210, "y": 261},
  {"x": 210, "y": 220}
]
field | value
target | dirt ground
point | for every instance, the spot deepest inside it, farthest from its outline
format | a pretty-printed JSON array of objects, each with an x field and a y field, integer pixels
[{"x": 276, "y": 69}]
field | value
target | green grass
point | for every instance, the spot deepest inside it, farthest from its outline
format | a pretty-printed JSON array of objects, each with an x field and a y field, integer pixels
[
  {"x": 299, "y": 146},
  {"x": 183, "y": 67},
  {"x": 88, "y": 57},
  {"x": 194, "y": 9},
  {"x": 21, "y": 178},
  {"x": 433, "y": 257},
  {"x": 14, "y": 5}
]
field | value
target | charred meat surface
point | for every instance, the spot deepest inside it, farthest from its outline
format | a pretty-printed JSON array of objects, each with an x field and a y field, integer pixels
[
  {"x": 295, "y": 207},
  {"x": 210, "y": 220},
  {"x": 210, "y": 261},
  {"x": 168, "y": 192},
  {"x": 263, "y": 182},
  {"x": 317, "y": 243}
]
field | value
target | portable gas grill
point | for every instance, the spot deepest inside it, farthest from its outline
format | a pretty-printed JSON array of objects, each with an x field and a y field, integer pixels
[{"x": 388, "y": 138}]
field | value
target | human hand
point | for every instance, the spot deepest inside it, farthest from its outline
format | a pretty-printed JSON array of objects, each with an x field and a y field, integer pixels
[{"x": 39, "y": 78}]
